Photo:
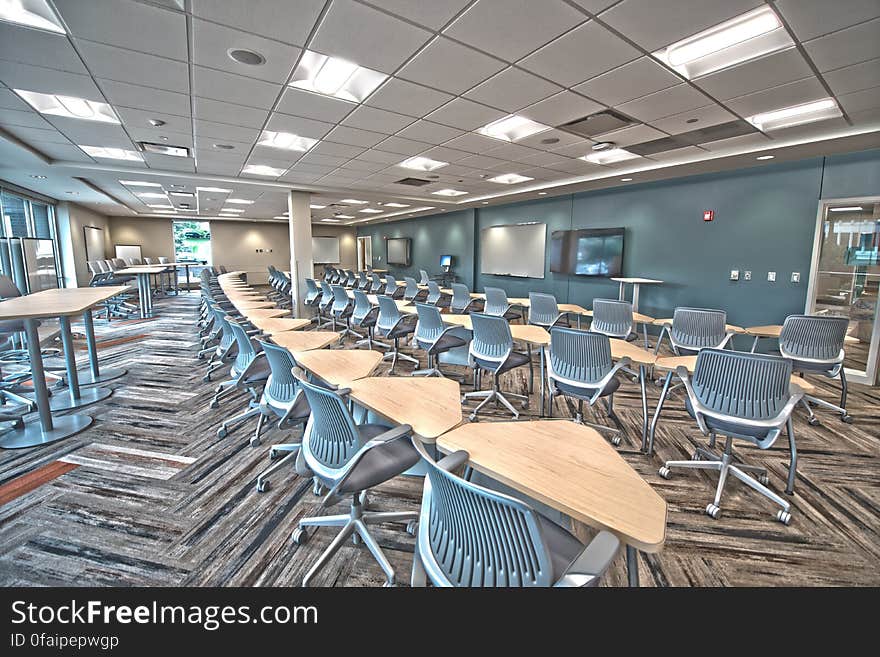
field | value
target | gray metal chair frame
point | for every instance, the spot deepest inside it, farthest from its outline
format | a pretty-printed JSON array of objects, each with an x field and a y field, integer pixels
[
  {"x": 349, "y": 459},
  {"x": 249, "y": 372},
  {"x": 471, "y": 536},
  {"x": 434, "y": 338},
  {"x": 744, "y": 396},
  {"x": 393, "y": 325}
]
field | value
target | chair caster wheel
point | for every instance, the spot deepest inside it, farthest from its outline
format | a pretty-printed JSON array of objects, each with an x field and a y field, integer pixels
[
  {"x": 847, "y": 419},
  {"x": 763, "y": 479},
  {"x": 222, "y": 432},
  {"x": 300, "y": 536},
  {"x": 356, "y": 539},
  {"x": 784, "y": 517},
  {"x": 664, "y": 472},
  {"x": 813, "y": 422},
  {"x": 412, "y": 527},
  {"x": 615, "y": 441},
  {"x": 389, "y": 584},
  {"x": 263, "y": 486},
  {"x": 713, "y": 511},
  {"x": 206, "y": 379},
  {"x": 472, "y": 418},
  {"x": 200, "y": 357},
  {"x": 254, "y": 441},
  {"x": 214, "y": 404},
  {"x": 273, "y": 455},
  {"x": 317, "y": 488}
]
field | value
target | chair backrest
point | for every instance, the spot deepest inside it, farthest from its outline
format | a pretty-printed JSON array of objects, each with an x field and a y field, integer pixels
[
  {"x": 492, "y": 339},
  {"x": 8, "y": 288},
  {"x": 163, "y": 260},
  {"x": 612, "y": 318},
  {"x": 430, "y": 325},
  {"x": 390, "y": 285},
  {"x": 150, "y": 261},
  {"x": 423, "y": 277},
  {"x": 246, "y": 349},
  {"x": 496, "y": 301},
  {"x": 331, "y": 437},
  {"x": 349, "y": 277},
  {"x": 375, "y": 283},
  {"x": 472, "y": 536},
  {"x": 543, "y": 309},
  {"x": 221, "y": 321},
  {"x": 809, "y": 337},
  {"x": 434, "y": 292},
  {"x": 412, "y": 288},
  {"x": 698, "y": 328},
  {"x": 312, "y": 291},
  {"x": 362, "y": 279},
  {"x": 461, "y": 297},
  {"x": 118, "y": 263},
  {"x": 282, "y": 386},
  {"x": 134, "y": 261},
  {"x": 326, "y": 294},
  {"x": 742, "y": 385},
  {"x": 223, "y": 269},
  {"x": 362, "y": 306},
  {"x": 340, "y": 298},
  {"x": 579, "y": 356},
  {"x": 389, "y": 315}
]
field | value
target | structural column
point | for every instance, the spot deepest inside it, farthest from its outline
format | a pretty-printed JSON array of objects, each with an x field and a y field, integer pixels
[{"x": 301, "y": 267}]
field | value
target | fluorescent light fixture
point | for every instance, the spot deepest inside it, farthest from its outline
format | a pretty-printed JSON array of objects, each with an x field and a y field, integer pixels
[
  {"x": 765, "y": 157},
  {"x": 448, "y": 192},
  {"x": 626, "y": 180},
  {"x": 333, "y": 76},
  {"x": 286, "y": 140},
  {"x": 31, "y": 13},
  {"x": 353, "y": 201},
  {"x": 239, "y": 201},
  {"x": 848, "y": 208},
  {"x": 112, "y": 153},
  {"x": 371, "y": 211},
  {"x": 161, "y": 206},
  {"x": 218, "y": 190},
  {"x": 420, "y": 163},
  {"x": 331, "y": 221},
  {"x": 609, "y": 156},
  {"x": 818, "y": 110},
  {"x": 512, "y": 128},
  {"x": 280, "y": 217},
  {"x": 313, "y": 206},
  {"x": 151, "y": 194},
  {"x": 262, "y": 170},
  {"x": 183, "y": 194},
  {"x": 70, "y": 107},
  {"x": 139, "y": 183},
  {"x": 396, "y": 205},
  {"x": 751, "y": 35},
  {"x": 344, "y": 216},
  {"x": 234, "y": 210},
  {"x": 509, "y": 179}
]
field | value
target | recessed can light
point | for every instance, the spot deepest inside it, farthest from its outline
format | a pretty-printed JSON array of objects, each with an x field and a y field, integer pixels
[
  {"x": 156, "y": 122},
  {"x": 246, "y": 57},
  {"x": 693, "y": 120},
  {"x": 602, "y": 145},
  {"x": 542, "y": 193}
]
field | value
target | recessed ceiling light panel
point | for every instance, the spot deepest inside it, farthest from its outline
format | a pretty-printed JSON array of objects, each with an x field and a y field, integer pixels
[
  {"x": 217, "y": 190},
  {"x": 139, "y": 183},
  {"x": 332, "y": 76},
  {"x": 848, "y": 208},
  {"x": 420, "y": 163},
  {"x": 239, "y": 201},
  {"x": 31, "y": 13},
  {"x": 509, "y": 179},
  {"x": 164, "y": 149},
  {"x": 112, "y": 153},
  {"x": 353, "y": 201},
  {"x": 609, "y": 157},
  {"x": 448, "y": 192},
  {"x": 316, "y": 207},
  {"x": 262, "y": 170},
  {"x": 70, "y": 107},
  {"x": 818, "y": 110},
  {"x": 286, "y": 140},
  {"x": 151, "y": 194},
  {"x": 371, "y": 211},
  {"x": 396, "y": 205},
  {"x": 512, "y": 128}
]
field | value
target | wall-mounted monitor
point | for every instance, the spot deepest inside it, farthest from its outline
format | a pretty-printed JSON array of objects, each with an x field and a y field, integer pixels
[
  {"x": 446, "y": 261},
  {"x": 398, "y": 251},
  {"x": 587, "y": 252}
]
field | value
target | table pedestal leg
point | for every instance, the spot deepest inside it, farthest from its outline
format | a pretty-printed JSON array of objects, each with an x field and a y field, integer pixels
[
  {"x": 649, "y": 448},
  {"x": 621, "y": 296},
  {"x": 541, "y": 404},
  {"x": 632, "y": 566},
  {"x": 94, "y": 374},
  {"x": 755, "y": 343},
  {"x": 642, "y": 377},
  {"x": 188, "y": 288},
  {"x": 635, "y": 297},
  {"x": 74, "y": 397}
]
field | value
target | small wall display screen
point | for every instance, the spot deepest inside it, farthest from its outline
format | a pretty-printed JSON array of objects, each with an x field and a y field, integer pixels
[
  {"x": 446, "y": 261},
  {"x": 398, "y": 251},
  {"x": 589, "y": 252}
]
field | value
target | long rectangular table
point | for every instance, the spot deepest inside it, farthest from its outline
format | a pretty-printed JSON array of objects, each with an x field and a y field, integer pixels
[{"x": 145, "y": 294}]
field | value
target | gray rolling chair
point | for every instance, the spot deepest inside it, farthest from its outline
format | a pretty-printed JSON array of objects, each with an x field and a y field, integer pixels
[
  {"x": 433, "y": 337},
  {"x": 580, "y": 366},
  {"x": 497, "y": 304},
  {"x": 424, "y": 279},
  {"x": 462, "y": 303},
  {"x": 744, "y": 396},
  {"x": 393, "y": 325},
  {"x": 693, "y": 329},
  {"x": 325, "y": 305},
  {"x": 815, "y": 346},
  {"x": 362, "y": 282},
  {"x": 435, "y": 295},
  {"x": 282, "y": 401},
  {"x": 471, "y": 536},
  {"x": 349, "y": 459},
  {"x": 392, "y": 289},
  {"x": 341, "y": 309},
  {"x": 313, "y": 298},
  {"x": 491, "y": 350},
  {"x": 376, "y": 284},
  {"x": 613, "y": 318},
  {"x": 412, "y": 291},
  {"x": 249, "y": 372},
  {"x": 544, "y": 312},
  {"x": 364, "y": 316},
  {"x": 350, "y": 278}
]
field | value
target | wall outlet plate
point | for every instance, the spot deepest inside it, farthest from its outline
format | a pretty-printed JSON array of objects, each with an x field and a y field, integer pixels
[
  {"x": 771, "y": 276},
  {"x": 795, "y": 277},
  {"x": 734, "y": 274},
  {"x": 747, "y": 275}
]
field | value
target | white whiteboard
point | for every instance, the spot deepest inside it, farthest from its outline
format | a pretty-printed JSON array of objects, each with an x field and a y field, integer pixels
[
  {"x": 516, "y": 250},
  {"x": 94, "y": 238},
  {"x": 127, "y": 251},
  {"x": 325, "y": 250}
]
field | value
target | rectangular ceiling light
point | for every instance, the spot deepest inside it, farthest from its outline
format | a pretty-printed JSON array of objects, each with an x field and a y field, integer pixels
[
  {"x": 332, "y": 76},
  {"x": 262, "y": 170},
  {"x": 70, "y": 107},
  {"x": 396, "y": 205},
  {"x": 183, "y": 194},
  {"x": 371, "y": 211},
  {"x": 151, "y": 194},
  {"x": 849, "y": 208},
  {"x": 609, "y": 156},
  {"x": 818, "y": 110},
  {"x": 216, "y": 190},
  {"x": 164, "y": 149},
  {"x": 160, "y": 206},
  {"x": 31, "y": 13},
  {"x": 509, "y": 179},
  {"x": 512, "y": 128},
  {"x": 139, "y": 183},
  {"x": 317, "y": 207},
  {"x": 331, "y": 221},
  {"x": 420, "y": 163},
  {"x": 286, "y": 140},
  {"x": 344, "y": 216},
  {"x": 112, "y": 153},
  {"x": 239, "y": 201},
  {"x": 353, "y": 201},
  {"x": 751, "y": 35},
  {"x": 448, "y": 192}
]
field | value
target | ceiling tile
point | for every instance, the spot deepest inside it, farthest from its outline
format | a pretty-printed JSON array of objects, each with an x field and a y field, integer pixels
[
  {"x": 434, "y": 14},
  {"x": 643, "y": 76},
  {"x": 90, "y": 133},
  {"x": 634, "y": 135},
  {"x": 653, "y": 24},
  {"x": 472, "y": 143},
  {"x": 302, "y": 168},
  {"x": 511, "y": 29},
  {"x": 124, "y": 65},
  {"x": 756, "y": 75},
  {"x": 444, "y": 154},
  {"x": 377, "y": 120},
  {"x": 37, "y": 135},
  {"x": 146, "y": 98},
  {"x": 561, "y": 108},
  {"x": 508, "y": 151},
  {"x": 336, "y": 150},
  {"x": 205, "y": 144},
  {"x": 427, "y": 131},
  {"x": 313, "y": 106},
  {"x": 753, "y": 141},
  {"x": 329, "y": 161},
  {"x": 854, "y": 78},
  {"x": 595, "y": 6},
  {"x": 48, "y": 81},
  {"x": 512, "y": 89},
  {"x": 262, "y": 17},
  {"x": 10, "y": 100},
  {"x": 39, "y": 48},
  {"x": 685, "y": 153},
  {"x": 298, "y": 126},
  {"x": 850, "y": 46},
  {"x": 706, "y": 116},
  {"x": 355, "y": 136},
  {"x": 861, "y": 100},
  {"x": 560, "y": 139},
  {"x": 464, "y": 114},
  {"x": 403, "y": 146},
  {"x": 169, "y": 162},
  {"x": 155, "y": 135},
  {"x": 367, "y": 36},
  {"x": 664, "y": 103},
  {"x": 450, "y": 66},
  {"x": 407, "y": 97},
  {"x": 228, "y": 87},
  {"x": 220, "y": 132},
  {"x": 23, "y": 118},
  {"x": 62, "y": 152},
  {"x": 786, "y": 95},
  {"x": 212, "y": 42},
  {"x": 579, "y": 55},
  {"x": 215, "y": 110},
  {"x": 812, "y": 18}
]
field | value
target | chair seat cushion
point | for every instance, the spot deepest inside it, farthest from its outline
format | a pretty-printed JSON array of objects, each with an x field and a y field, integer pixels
[
  {"x": 564, "y": 548},
  {"x": 445, "y": 343},
  {"x": 726, "y": 428},
  {"x": 515, "y": 359},
  {"x": 583, "y": 392},
  {"x": 260, "y": 372},
  {"x": 380, "y": 463}
]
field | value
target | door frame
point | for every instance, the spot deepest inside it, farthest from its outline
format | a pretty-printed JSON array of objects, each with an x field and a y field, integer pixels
[{"x": 367, "y": 258}]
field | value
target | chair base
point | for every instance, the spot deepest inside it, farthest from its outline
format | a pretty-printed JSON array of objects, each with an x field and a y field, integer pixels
[
  {"x": 813, "y": 421},
  {"x": 396, "y": 355},
  {"x": 291, "y": 449},
  {"x": 495, "y": 395}
]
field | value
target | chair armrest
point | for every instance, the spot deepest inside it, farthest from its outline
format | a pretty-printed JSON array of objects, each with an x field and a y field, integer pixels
[
  {"x": 395, "y": 433},
  {"x": 455, "y": 460},
  {"x": 592, "y": 563}
]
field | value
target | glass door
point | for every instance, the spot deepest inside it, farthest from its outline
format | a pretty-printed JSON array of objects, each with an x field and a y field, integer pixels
[
  {"x": 846, "y": 277},
  {"x": 192, "y": 243}
]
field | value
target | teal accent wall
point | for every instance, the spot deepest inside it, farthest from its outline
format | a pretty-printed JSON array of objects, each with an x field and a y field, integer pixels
[{"x": 765, "y": 217}]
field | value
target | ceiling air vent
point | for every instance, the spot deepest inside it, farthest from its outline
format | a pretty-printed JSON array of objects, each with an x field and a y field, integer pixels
[
  {"x": 597, "y": 124},
  {"x": 414, "y": 182}
]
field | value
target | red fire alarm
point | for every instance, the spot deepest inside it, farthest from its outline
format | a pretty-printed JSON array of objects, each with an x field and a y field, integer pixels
[{"x": 708, "y": 215}]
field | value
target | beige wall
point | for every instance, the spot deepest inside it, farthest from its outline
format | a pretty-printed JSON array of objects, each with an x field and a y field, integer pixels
[
  {"x": 71, "y": 220},
  {"x": 250, "y": 246},
  {"x": 347, "y": 245},
  {"x": 154, "y": 235}
]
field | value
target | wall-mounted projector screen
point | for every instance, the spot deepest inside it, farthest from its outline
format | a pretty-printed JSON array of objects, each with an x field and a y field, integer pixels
[
  {"x": 516, "y": 250},
  {"x": 398, "y": 251},
  {"x": 325, "y": 250}
]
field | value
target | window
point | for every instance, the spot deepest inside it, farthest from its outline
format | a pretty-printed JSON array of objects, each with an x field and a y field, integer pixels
[
  {"x": 23, "y": 216},
  {"x": 15, "y": 221},
  {"x": 192, "y": 241}
]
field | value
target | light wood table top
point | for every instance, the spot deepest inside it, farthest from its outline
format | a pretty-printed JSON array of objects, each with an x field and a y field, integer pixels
[
  {"x": 690, "y": 362},
  {"x": 297, "y": 341},
  {"x": 639, "y": 318},
  {"x": 58, "y": 302},
  {"x": 243, "y": 304},
  {"x": 339, "y": 367},
  {"x": 774, "y": 330},
  {"x": 531, "y": 334},
  {"x": 142, "y": 269},
  {"x": 458, "y": 320},
  {"x": 431, "y": 405},
  {"x": 570, "y": 468},
  {"x": 731, "y": 328},
  {"x": 573, "y": 308},
  {"x": 622, "y": 348},
  {"x": 264, "y": 313},
  {"x": 246, "y": 296},
  {"x": 272, "y": 325}
]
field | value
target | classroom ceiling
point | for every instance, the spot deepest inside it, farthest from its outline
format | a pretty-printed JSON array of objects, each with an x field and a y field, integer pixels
[{"x": 447, "y": 69}]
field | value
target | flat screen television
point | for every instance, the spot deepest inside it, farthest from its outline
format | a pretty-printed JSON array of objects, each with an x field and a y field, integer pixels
[
  {"x": 587, "y": 252},
  {"x": 398, "y": 251},
  {"x": 446, "y": 261}
]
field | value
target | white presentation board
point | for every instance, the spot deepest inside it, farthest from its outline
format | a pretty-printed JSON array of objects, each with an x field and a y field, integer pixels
[
  {"x": 325, "y": 250},
  {"x": 515, "y": 250},
  {"x": 127, "y": 251}
]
